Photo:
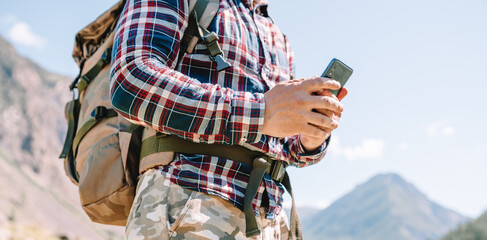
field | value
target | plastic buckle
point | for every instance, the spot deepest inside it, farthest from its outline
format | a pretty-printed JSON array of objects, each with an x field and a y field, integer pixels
[
  {"x": 277, "y": 170},
  {"x": 210, "y": 37},
  {"x": 99, "y": 112},
  {"x": 221, "y": 64}
]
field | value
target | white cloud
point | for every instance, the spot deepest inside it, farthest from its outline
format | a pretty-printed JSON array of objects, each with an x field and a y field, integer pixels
[
  {"x": 448, "y": 131},
  {"x": 322, "y": 204},
  {"x": 440, "y": 129},
  {"x": 404, "y": 146},
  {"x": 22, "y": 34},
  {"x": 367, "y": 149}
]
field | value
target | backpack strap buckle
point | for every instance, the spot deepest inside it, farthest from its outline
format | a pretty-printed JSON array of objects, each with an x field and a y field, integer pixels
[
  {"x": 99, "y": 112},
  {"x": 221, "y": 64},
  {"x": 276, "y": 169},
  {"x": 102, "y": 112},
  {"x": 216, "y": 54},
  {"x": 210, "y": 38}
]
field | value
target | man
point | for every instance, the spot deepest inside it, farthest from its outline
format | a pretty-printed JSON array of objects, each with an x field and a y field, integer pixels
[{"x": 254, "y": 103}]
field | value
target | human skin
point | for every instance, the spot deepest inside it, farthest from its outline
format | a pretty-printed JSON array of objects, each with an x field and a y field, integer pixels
[
  {"x": 305, "y": 107},
  {"x": 312, "y": 143}
]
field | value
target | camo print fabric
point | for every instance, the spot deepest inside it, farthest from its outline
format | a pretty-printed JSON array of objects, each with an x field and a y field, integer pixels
[{"x": 163, "y": 210}]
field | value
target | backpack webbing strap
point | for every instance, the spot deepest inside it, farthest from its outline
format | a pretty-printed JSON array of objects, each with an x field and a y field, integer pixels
[
  {"x": 172, "y": 143},
  {"x": 295, "y": 229},
  {"x": 259, "y": 167},
  {"x": 73, "y": 112},
  {"x": 191, "y": 30},
  {"x": 275, "y": 168},
  {"x": 86, "y": 79},
  {"x": 210, "y": 39},
  {"x": 98, "y": 114},
  {"x": 69, "y": 164},
  {"x": 188, "y": 35},
  {"x": 133, "y": 153}
]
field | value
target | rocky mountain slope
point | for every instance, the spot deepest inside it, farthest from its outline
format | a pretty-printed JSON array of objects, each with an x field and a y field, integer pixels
[
  {"x": 474, "y": 230},
  {"x": 385, "y": 207},
  {"x": 34, "y": 190}
]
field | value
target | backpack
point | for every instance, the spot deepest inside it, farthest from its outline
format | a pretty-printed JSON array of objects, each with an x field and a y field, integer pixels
[
  {"x": 101, "y": 149},
  {"x": 104, "y": 153}
]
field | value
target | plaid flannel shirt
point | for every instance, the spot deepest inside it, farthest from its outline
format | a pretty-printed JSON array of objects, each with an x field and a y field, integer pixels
[{"x": 194, "y": 101}]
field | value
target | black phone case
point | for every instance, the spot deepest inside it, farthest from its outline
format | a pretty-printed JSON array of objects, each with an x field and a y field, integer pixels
[{"x": 338, "y": 71}]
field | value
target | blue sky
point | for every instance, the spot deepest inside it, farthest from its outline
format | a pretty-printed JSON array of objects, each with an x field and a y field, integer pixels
[{"x": 416, "y": 104}]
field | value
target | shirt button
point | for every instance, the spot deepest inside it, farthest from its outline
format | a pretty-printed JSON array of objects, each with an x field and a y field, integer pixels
[
  {"x": 202, "y": 138},
  {"x": 242, "y": 140}
]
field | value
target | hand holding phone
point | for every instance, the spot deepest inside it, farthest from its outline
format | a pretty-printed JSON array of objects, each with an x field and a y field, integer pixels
[{"x": 338, "y": 71}]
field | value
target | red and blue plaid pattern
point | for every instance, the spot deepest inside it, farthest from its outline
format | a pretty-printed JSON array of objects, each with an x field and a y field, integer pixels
[{"x": 194, "y": 101}]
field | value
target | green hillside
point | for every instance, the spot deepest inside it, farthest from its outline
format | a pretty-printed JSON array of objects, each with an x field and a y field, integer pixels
[{"x": 474, "y": 230}]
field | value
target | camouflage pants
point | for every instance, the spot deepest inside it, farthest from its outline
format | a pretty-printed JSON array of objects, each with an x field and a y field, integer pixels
[{"x": 163, "y": 210}]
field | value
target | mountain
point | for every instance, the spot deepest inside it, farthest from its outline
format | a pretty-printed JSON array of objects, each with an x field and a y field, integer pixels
[
  {"x": 474, "y": 230},
  {"x": 385, "y": 207},
  {"x": 34, "y": 191}
]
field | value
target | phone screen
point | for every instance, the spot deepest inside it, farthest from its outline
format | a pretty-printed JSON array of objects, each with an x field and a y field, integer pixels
[{"x": 338, "y": 71}]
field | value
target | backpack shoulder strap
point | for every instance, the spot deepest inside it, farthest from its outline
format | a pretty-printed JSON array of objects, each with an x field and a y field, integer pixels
[{"x": 202, "y": 13}]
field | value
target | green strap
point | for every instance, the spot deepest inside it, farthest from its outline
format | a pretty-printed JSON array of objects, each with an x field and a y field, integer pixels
[
  {"x": 133, "y": 153},
  {"x": 216, "y": 54},
  {"x": 188, "y": 34},
  {"x": 260, "y": 165},
  {"x": 73, "y": 112},
  {"x": 295, "y": 230},
  {"x": 98, "y": 114},
  {"x": 70, "y": 165},
  {"x": 199, "y": 8},
  {"x": 192, "y": 28},
  {"x": 172, "y": 143},
  {"x": 210, "y": 39},
  {"x": 259, "y": 168},
  {"x": 86, "y": 79}
]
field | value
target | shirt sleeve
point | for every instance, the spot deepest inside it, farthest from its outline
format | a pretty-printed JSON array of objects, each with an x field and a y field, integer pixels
[
  {"x": 146, "y": 89},
  {"x": 293, "y": 151}
]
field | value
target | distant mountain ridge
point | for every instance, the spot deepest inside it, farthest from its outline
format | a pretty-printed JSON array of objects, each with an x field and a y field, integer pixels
[
  {"x": 384, "y": 207},
  {"x": 34, "y": 190}
]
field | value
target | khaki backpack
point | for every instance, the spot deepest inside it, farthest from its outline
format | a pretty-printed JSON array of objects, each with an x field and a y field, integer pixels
[{"x": 102, "y": 149}]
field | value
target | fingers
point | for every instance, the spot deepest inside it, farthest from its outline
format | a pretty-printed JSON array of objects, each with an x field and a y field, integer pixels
[
  {"x": 333, "y": 115},
  {"x": 326, "y": 102},
  {"x": 316, "y": 132},
  {"x": 342, "y": 94},
  {"x": 322, "y": 121},
  {"x": 319, "y": 83}
]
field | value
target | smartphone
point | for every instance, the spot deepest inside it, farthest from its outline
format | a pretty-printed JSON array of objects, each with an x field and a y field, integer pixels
[{"x": 338, "y": 71}]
